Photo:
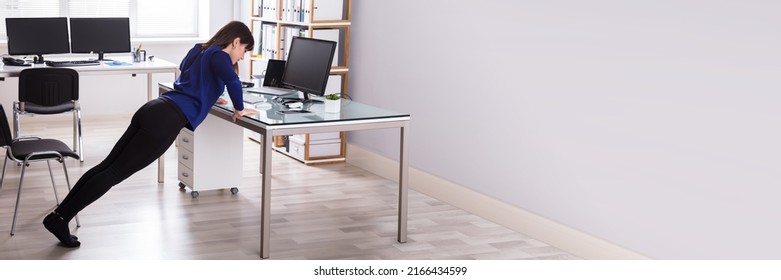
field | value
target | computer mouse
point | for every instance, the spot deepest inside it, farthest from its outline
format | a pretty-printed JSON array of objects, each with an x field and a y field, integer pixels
[{"x": 294, "y": 104}]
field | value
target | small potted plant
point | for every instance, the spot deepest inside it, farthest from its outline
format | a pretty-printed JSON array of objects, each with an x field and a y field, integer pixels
[{"x": 332, "y": 103}]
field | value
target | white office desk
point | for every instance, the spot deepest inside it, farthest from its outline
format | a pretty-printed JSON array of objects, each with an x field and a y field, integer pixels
[
  {"x": 145, "y": 67},
  {"x": 353, "y": 116}
]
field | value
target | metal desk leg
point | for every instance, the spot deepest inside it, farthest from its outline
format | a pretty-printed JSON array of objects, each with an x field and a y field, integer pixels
[
  {"x": 403, "y": 184},
  {"x": 149, "y": 87},
  {"x": 161, "y": 159},
  {"x": 161, "y": 169},
  {"x": 265, "y": 209}
]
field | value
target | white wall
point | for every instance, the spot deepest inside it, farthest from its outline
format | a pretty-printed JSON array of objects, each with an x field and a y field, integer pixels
[{"x": 653, "y": 124}]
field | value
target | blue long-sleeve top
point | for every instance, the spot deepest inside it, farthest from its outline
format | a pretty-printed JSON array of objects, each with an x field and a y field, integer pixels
[{"x": 205, "y": 73}]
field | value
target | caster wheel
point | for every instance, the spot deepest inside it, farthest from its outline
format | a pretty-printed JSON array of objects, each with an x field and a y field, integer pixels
[
  {"x": 195, "y": 194},
  {"x": 234, "y": 190},
  {"x": 181, "y": 185}
]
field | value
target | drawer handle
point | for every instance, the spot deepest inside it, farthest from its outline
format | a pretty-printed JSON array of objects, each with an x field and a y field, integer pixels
[
  {"x": 186, "y": 140},
  {"x": 185, "y": 157},
  {"x": 184, "y": 174}
]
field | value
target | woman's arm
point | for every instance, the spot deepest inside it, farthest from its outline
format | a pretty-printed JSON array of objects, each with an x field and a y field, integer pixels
[{"x": 223, "y": 67}]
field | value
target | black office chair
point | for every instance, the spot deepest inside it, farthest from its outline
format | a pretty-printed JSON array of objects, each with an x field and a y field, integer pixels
[
  {"x": 48, "y": 91},
  {"x": 32, "y": 149}
]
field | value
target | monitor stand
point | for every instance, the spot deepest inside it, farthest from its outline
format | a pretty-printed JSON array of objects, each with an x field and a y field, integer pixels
[
  {"x": 38, "y": 59},
  {"x": 305, "y": 100},
  {"x": 100, "y": 57},
  {"x": 310, "y": 101}
]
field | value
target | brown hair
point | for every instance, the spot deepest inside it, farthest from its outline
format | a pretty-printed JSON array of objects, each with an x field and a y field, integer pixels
[{"x": 225, "y": 36}]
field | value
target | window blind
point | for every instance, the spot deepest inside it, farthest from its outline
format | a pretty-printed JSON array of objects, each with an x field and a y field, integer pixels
[
  {"x": 148, "y": 18},
  {"x": 98, "y": 8},
  {"x": 169, "y": 18},
  {"x": 27, "y": 8}
]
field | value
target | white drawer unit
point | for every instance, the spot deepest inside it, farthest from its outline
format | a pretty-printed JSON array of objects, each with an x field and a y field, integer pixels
[
  {"x": 211, "y": 157},
  {"x": 296, "y": 147}
]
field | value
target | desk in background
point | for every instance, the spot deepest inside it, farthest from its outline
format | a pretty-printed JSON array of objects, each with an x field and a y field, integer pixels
[
  {"x": 144, "y": 67},
  {"x": 353, "y": 116}
]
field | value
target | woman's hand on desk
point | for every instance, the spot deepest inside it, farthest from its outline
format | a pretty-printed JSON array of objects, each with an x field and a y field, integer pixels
[
  {"x": 246, "y": 112},
  {"x": 221, "y": 101}
]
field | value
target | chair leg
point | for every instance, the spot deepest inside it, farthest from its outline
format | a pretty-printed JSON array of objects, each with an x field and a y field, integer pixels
[
  {"x": 16, "y": 119},
  {"x": 54, "y": 186},
  {"x": 68, "y": 182},
  {"x": 2, "y": 179},
  {"x": 18, "y": 195},
  {"x": 77, "y": 134}
]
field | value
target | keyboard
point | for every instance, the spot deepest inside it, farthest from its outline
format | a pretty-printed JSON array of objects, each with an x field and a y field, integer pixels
[
  {"x": 252, "y": 98},
  {"x": 72, "y": 63}
]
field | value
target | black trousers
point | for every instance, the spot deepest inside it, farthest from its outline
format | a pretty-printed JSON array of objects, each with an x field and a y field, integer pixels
[{"x": 152, "y": 130}]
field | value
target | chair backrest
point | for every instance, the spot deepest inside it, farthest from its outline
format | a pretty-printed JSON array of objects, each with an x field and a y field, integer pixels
[
  {"x": 48, "y": 86},
  {"x": 5, "y": 129}
]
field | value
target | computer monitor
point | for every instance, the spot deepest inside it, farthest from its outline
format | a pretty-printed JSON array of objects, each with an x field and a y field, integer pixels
[
  {"x": 37, "y": 36},
  {"x": 100, "y": 35},
  {"x": 308, "y": 65}
]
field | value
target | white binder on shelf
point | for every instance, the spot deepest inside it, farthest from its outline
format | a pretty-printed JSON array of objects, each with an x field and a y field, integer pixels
[
  {"x": 291, "y": 16},
  {"x": 257, "y": 30},
  {"x": 269, "y": 9},
  {"x": 328, "y": 10},
  {"x": 297, "y": 10},
  {"x": 275, "y": 44},
  {"x": 288, "y": 7},
  {"x": 258, "y": 9},
  {"x": 269, "y": 41},
  {"x": 306, "y": 11},
  {"x": 264, "y": 42},
  {"x": 294, "y": 5}
]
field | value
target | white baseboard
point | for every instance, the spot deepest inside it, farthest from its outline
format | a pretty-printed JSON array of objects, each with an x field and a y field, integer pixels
[{"x": 561, "y": 236}]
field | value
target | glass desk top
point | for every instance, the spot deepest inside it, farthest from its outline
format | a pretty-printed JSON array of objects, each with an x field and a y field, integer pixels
[{"x": 270, "y": 111}]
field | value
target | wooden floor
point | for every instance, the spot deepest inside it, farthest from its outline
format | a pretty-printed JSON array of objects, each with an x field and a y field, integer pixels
[{"x": 335, "y": 211}]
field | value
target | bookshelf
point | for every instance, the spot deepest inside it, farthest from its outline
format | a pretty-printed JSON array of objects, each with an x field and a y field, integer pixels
[{"x": 274, "y": 23}]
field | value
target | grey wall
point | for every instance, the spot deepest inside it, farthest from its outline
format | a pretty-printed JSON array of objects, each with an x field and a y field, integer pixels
[{"x": 651, "y": 124}]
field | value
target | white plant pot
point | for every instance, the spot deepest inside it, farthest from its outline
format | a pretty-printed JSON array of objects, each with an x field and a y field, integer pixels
[{"x": 333, "y": 106}]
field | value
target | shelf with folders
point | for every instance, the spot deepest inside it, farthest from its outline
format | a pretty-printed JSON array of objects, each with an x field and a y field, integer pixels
[
  {"x": 272, "y": 40},
  {"x": 275, "y": 22},
  {"x": 308, "y": 12}
]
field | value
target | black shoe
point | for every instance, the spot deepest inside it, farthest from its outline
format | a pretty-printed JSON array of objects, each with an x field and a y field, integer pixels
[{"x": 59, "y": 228}]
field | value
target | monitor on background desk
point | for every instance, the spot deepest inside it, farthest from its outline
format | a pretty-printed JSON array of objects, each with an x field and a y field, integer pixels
[
  {"x": 37, "y": 36},
  {"x": 308, "y": 66},
  {"x": 100, "y": 35}
]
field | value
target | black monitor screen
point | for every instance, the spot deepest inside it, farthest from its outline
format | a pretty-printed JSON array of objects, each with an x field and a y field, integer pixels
[
  {"x": 100, "y": 35},
  {"x": 308, "y": 65},
  {"x": 37, "y": 35}
]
